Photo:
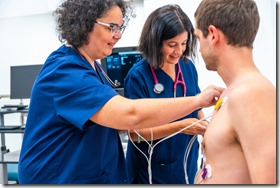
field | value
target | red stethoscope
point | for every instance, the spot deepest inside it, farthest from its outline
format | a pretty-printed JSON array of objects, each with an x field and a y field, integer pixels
[{"x": 158, "y": 87}]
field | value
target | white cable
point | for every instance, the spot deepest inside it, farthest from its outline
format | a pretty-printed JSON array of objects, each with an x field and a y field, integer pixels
[
  {"x": 150, "y": 151},
  {"x": 202, "y": 119},
  {"x": 186, "y": 155},
  {"x": 151, "y": 147}
]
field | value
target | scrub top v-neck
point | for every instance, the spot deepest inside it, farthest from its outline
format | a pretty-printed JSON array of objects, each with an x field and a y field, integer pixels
[
  {"x": 139, "y": 83},
  {"x": 61, "y": 144}
]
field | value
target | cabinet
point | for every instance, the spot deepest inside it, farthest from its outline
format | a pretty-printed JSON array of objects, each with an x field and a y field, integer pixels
[{"x": 6, "y": 156}]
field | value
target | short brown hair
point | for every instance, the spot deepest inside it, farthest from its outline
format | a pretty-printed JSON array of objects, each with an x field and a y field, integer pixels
[{"x": 237, "y": 19}]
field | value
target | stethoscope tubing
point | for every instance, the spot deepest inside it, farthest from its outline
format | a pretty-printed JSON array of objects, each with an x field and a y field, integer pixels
[
  {"x": 96, "y": 64},
  {"x": 113, "y": 84},
  {"x": 158, "y": 87}
]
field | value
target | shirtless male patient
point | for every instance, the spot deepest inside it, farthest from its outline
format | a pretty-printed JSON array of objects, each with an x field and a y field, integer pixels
[{"x": 239, "y": 144}]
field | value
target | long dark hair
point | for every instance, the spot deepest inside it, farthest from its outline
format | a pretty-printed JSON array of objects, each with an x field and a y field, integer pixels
[{"x": 162, "y": 24}]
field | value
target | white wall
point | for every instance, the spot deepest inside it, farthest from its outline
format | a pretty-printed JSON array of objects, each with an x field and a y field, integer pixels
[{"x": 27, "y": 36}]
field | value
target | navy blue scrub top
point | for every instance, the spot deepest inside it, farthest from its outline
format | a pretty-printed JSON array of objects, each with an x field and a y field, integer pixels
[
  {"x": 61, "y": 145},
  {"x": 168, "y": 156}
]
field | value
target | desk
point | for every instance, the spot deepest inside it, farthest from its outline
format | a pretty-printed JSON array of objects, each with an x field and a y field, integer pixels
[{"x": 7, "y": 157}]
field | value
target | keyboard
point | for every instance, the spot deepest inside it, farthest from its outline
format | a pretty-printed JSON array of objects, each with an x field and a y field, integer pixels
[
  {"x": 10, "y": 127},
  {"x": 18, "y": 107}
]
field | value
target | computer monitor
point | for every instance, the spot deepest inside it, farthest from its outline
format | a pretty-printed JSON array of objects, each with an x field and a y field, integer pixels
[
  {"x": 119, "y": 62},
  {"x": 22, "y": 80}
]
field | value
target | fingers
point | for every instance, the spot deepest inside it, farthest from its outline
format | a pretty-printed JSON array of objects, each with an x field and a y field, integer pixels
[
  {"x": 204, "y": 123},
  {"x": 210, "y": 95},
  {"x": 217, "y": 88},
  {"x": 198, "y": 128},
  {"x": 217, "y": 91}
]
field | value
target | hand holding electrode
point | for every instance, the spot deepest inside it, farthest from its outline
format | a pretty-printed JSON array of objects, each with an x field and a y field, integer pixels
[{"x": 210, "y": 95}]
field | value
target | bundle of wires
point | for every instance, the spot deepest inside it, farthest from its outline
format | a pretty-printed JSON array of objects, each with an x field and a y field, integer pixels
[{"x": 188, "y": 149}]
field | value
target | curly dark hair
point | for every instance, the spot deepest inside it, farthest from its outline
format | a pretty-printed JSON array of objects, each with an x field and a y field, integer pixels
[{"x": 75, "y": 18}]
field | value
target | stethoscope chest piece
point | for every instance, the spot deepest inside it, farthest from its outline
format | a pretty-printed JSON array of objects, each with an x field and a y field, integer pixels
[{"x": 158, "y": 88}]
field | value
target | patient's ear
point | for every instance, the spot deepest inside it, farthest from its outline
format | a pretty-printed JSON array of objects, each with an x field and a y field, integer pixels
[{"x": 214, "y": 34}]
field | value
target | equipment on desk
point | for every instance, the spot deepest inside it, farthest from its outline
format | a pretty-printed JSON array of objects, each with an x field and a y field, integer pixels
[
  {"x": 10, "y": 127},
  {"x": 117, "y": 65},
  {"x": 22, "y": 79},
  {"x": 14, "y": 107}
]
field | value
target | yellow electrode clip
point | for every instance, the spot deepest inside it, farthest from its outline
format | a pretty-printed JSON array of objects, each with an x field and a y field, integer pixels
[{"x": 218, "y": 104}]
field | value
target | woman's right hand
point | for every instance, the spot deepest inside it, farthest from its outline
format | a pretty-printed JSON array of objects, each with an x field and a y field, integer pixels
[{"x": 209, "y": 96}]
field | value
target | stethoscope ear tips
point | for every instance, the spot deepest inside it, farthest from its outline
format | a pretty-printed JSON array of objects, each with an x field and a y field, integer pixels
[{"x": 158, "y": 88}]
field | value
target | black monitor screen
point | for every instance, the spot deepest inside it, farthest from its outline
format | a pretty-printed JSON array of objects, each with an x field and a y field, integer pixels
[
  {"x": 119, "y": 62},
  {"x": 22, "y": 79}
]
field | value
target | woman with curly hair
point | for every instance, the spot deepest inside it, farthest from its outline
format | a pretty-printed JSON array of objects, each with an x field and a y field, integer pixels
[{"x": 71, "y": 134}]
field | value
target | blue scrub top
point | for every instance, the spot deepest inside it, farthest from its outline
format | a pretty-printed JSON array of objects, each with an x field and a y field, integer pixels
[
  {"x": 61, "y": 145},
  {"x": 168, "y": 156}
]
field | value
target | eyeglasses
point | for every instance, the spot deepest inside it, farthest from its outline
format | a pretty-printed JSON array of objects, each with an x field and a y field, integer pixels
[{"x": 115, "y": 28}]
